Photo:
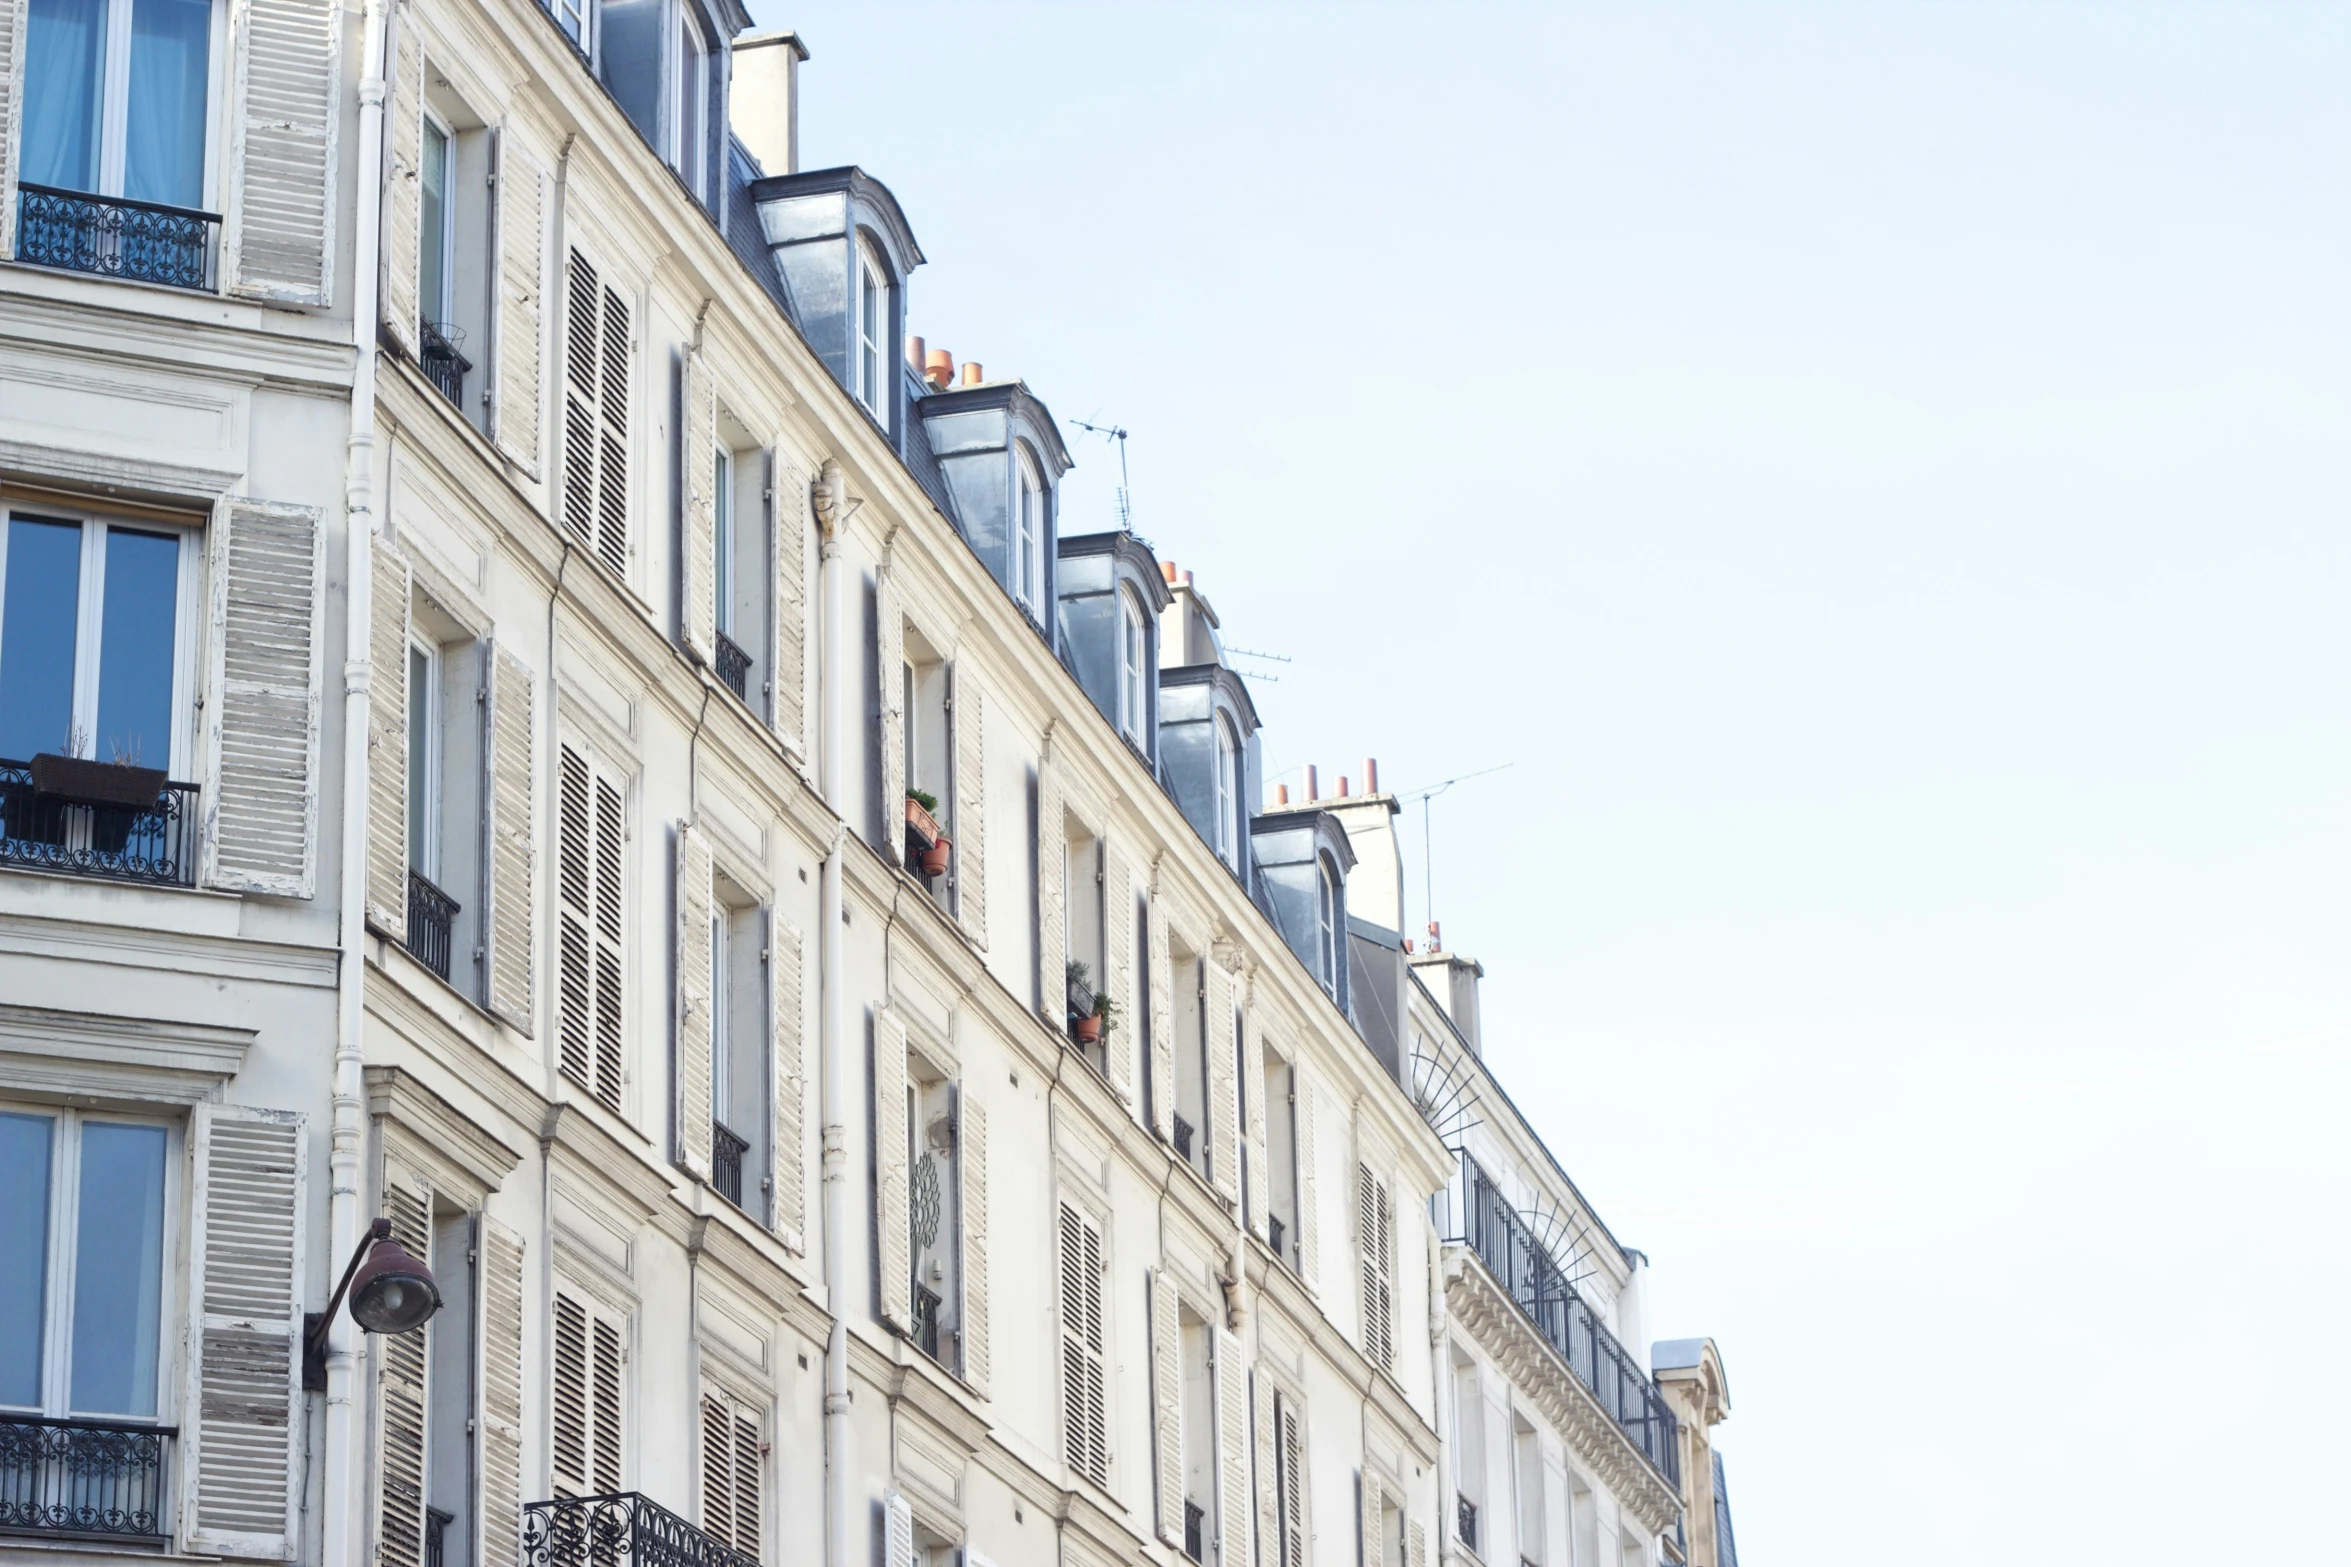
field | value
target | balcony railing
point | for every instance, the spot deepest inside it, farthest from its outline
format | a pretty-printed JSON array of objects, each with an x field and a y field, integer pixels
[
  {"x": 1183, "y": 1137},
  {"x": 83, "y": 1477},
  {"x": 1195, "y": 1524},
  {"x": 622, "y": 1529},
  {"x": 726, "y": 1162},
  {"x": 1492, "y": 1228},
  {"x": 437, "y": 354},
  {"x": 436, "y": 1536},
  {"x": 1465, "y": 1520},
  {"x": 430, "y": 914},
  {"x": 926, "y": 1320},
  {"x": 150, "y": 843},
  {"x": 1277, "y": 1234},
  {"x": 734, "y": 666},
  {"x": 113, "y": 236}
]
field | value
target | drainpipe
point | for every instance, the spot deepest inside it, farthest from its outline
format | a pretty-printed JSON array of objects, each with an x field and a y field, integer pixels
[
  {"x": 831, "y": 505},
  {"x": 342, "y": 1499}
]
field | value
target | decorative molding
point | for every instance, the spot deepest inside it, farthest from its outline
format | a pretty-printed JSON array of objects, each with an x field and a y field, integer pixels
[
  {"x": 93, "y": 1055},
  {"x": 433, "y": 1135}
]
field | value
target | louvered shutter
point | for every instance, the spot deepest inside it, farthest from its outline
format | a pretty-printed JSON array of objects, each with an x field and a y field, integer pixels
[
  {"x": 403, "y": 189},
  {"x": 403, "y": 1366},
  {"x": 1260, "y": 1182},
  {"x": 1163, "y": 1026},
  {"x": 387, "y": 743},
  {"x": 241, "y": 1425},
  {"x": 749, "y": 1467},
  {"x": 1293, "y": 1465},
  {"x": 1267, "y": 1471},
  {"x": 889, "y": 630},
  {"x": 280, "y": 236},
  {"x": 1224, "y": 1106},
  {"x": 588, "y": 927},
  {"x": 788, "y": 522},
  {"x": 1118, "y": 941},
  {"x": 498, "y": 1346},
  {"x": 1309, "y": 1176},
  {"x": 586, "y": 1413},
  {"x": 1375, "y": 1225},
  {"x": 1085, "y": 1432},
  {"x": 897, "y": 1531},
  {"x": 1417, "y": 1543},
  {"x": 1368, "y": 1496},
  {"x": 12, "y": 27},
  {"x": 518, "y": 330},
  {"x": 1232, "y": 1449},
  {"x": 973, "y": 1165},
  {"x": 513, "y": 843},
  {"x": 718, "y": 1469},
  {"x": 1167, "y": 1397},
  {"x": 788, "y": 981},
  {"x": 892, "y": 1240},
  {"x": 699, "y": 600},
  {"x": 968, "y": 714},
  {"x": 596, "y": 415},
  {"x": 1052, "y": 899},
  {"x": 268, "y": 631},
  {"x": 694, "y": 999}
]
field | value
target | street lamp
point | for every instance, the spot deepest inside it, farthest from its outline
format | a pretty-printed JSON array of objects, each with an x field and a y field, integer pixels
[{"x": 391, "y": 1292}]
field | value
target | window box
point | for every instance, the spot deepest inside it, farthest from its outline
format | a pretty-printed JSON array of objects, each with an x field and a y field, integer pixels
[
  {"x": 86, "y": 781},
  {"x": 927, "y": 844}
]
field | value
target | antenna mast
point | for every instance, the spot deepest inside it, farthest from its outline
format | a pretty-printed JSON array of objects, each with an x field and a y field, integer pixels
[
  {"x": 1126, "y": 513},
  {"x": 1428, "y": 852}
]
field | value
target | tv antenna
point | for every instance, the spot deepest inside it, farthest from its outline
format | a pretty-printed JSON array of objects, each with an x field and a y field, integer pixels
[
  {"x": 1428, "y": 853},
  {"x": 1115, "y": 432}
]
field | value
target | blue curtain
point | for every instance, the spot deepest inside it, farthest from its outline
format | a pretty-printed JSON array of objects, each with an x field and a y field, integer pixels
[
  {"x": 62, "y": 60},
  {"x": 171, "y": 59}
]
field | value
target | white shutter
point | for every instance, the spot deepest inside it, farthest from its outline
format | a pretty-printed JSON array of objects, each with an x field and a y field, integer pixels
[
  {"x": 731, "y": 1473},
  {"x": 241, "y": 1421},
  {"x": 695, "y": 1000},
  {"x": 1118, "y": 942},
  {"x": 513, "y": 844},
  {"x": 596, "y": 358},
  {"x": 698, "y": 601},
  {"x": 1293, "y": 1474},
  {"x": 897, "y": 1531},
  {"x": 788, "y": 981},
  {"x": 1232, "y": 1450},
  {"x": 1163, "y": 1025},
  {"x": 968, "y": 715},
  {"x": 387, "y": 743},
  {"x": 589, "y": 924},
  {"x": 279, "y": 242},
  {"x": 1417, "y": 1541},
  {"x": 1085, "y": 1433},
  {"x": 787, "y": 513},
  {"x": 518, "y": 329},
  {"x": 498, "y": 1346},
  {"x": 268, "y": 631},
  {"x": 750, "y": 1467},
  {"x": 1167, "y": 1398},
  {"x": 1375, "y": 1243},
  {"x": 1260, "y": 1182},
  {"x": 1052, "y": 898},
  {"x": 1368, "y": 1494},
  {"x": 586, "y": 1416},
  {"x": 889, "y": 630},
  {"x": 1309, "y": 1177},
  {"x": 1267, "y": 1488},
  {"x": 12, "y": 26},
  {"x": 892, "y": 1239},
  {"x": 403, "y": 188},
  {"x": 1224, "y": 1107},
  {"x": 973, "y": 1164},
  {"x": 403, "y": 1368}
]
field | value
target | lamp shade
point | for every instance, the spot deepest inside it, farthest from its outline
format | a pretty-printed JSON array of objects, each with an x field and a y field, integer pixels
[{"x": 393, "y": 1292}]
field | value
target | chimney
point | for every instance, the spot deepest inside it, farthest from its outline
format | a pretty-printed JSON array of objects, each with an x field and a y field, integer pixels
[
  {"x": 764, "y": 101},
  {"x": 1281, "y": 794},
  {"x": 1453, "y": 980},
  {"x": 914, "y": 353},
  {"x": 1167, "y": 570},
  {"x": 1371, "y": 775},
  {"x": 1313, "y": 789},
  {"x": 938, "y": 368},
  {"x": 1342, "y": 786},
  {"x": 972, "y": 374}
]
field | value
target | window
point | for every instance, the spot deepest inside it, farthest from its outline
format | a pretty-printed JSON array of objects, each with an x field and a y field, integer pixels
[
  {"x": 1281, "y": 1157},
  {"x": 1228, "y": 793},
  {"x": 117, "y": 98},
  {"x": 573, "y": 17},
  {"x": 873, "y": 336},
  {"x": 738, "y": 1061},
  {"x": 1028, "y": 535},
  {"x": 1084, "y": 1419},
  {"x": 424, "y": 760},
  {"x": 82, "y": 1205},
  {"x": 1326, "y": 926},
  {"x": 1469, "y": 1452},
  {"x": 1527, "y": 1467},
  {"x": 692, "y": 96},
  {"x": 454, "y": 1344},
  {"x": 1134, "y": 712},
  {"x": 435, "y": 228},
  {"x": 1191, "y": 1059},
  {"x": 722, "y": 557},
  {"x": 1376, "y": 1250},
  {"x": 589, "y": 1406},
  {"x": 934, "y": 1214},
  {"x": 597, "y": 349},
  {"x": 1199, "y": 1437},
  {"x": 1289, "y": 1481}
]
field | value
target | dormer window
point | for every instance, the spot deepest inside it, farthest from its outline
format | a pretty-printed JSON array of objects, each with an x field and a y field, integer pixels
[
  {"x": 873, "y": 336},
  {"x": 1326, "y": 926},
  {"x": 1228, "y": 791},
  {"x": 1133, "y": 662},
  {"x": 1028, "y": 534},
  {"x": 693, "y": 98}
]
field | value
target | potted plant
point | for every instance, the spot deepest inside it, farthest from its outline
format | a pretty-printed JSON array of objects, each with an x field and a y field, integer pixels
[
  {"x": 1090, "y": 1010},
  {"x": 927, "y": 844},
  {"x": 85, "y": 780}
]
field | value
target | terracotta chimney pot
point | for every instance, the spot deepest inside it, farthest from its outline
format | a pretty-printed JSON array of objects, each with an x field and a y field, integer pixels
[
  {"x": 1313, "y": 789},
  {"x": 1371, "y": 775},
  {"x": 938, "y": 367},
  {"x": 1342, "y": 786},
  {"x": 1167, "y": 570},
  {"x": 1281, "y": 794},
  {"x": 972, "y": 374}
]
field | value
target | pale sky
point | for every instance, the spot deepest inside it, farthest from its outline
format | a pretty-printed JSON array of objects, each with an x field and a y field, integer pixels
[{"x": 1878, "y": 474}]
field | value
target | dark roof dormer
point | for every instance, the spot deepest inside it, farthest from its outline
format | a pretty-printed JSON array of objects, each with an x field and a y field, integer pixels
[
  {"x": 1208, "y": 755},
  {"x": 1302, "y": 860},
  {"x": 1110, "y": 593},
  {"x": 1001, "y": 461},
  {"x": 844, "y": 251}
]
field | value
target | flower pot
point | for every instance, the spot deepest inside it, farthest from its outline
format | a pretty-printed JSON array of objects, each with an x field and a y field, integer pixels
[
  {"x": 934, "y": 858},
  {"x": 922, "y": 823},
  {"x": 87, "y": 781},
  {"x": 1086, "y": 1030}
]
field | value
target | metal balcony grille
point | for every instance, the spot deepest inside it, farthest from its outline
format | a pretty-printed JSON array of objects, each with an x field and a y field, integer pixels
[
  {"x": 436, "y": 1536},
  {"x": 734, "y": 666},
  {"x": 115, "y": 237},
  {"x": 621, "y": 1529},
  {"x": 1277, "y": 1235},
  {"x": 726, "y": 1162},
  {"x": 82, "y": 1477},
  {"x": 1195, "y": 1521},
  {"x": 926, "y": 1320},
  {"x": 430, "y": 914},
  {"x": 1465, "y": 1520},
  {"x": 153, "y": 843},
  {"x": 437, "y": 354},
  {"x": 1183, "y": 1137}
]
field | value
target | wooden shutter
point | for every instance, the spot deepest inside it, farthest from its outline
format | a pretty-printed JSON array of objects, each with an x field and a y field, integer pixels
[
  {"x": 967, "y": 713},
  {"x": 1260, "y": 1181},
  {"x": 889, "y": 630},
  {"x": 1052, "y": 900},
  {"x": 897, "y": 1531},
  {"x": 268, "y": 631},
  {"x": 403, "y": 1368},
  {"x": 1118, "y": 944},
  {"x": 1369, "y": 1496},
  {"x": 588, "y": 927},
  {"x": 498, "y": 1373},
  {"x": 403, "y": 189},
  {"x": 1267, "y": 1468},
  {"x": 587, "y": 1409},
  {"x": 1232, "y": 1449},
  {"x": 1224, "y": 1106},
  {"x": 1163, "y": 1027},
  {"x": 698, "y": 601},
  {"x": 12, "y": 28},
  {"x": 1085, "y": 1427},
  {"x": 279, "y": 241},
  {"x": 787, "y": 513},
  {"x": 731, "y": 1473},
  {"x": 512, "y": 856},
  {"x": 695, "y": 1000},
  {"x": 1167, "y": 1397},
  {"x": 517, "y": 330},
  {"x": 892, "y": 1240},
  {"x": 1292, "y": 1436},
  {"x": 1302, "y": 1099},
  {"x": 972, "y": 1163},
  {"x": 787, "y": 978},
  {"x": 387, "y": 743},
  {"x": 241, "y": 1420},
  {"x": 1416, "y": 1537},
  {"x": 1375, "y": 1226},
  {"x": 749, "y": 1467},
  {"x": 596, "y": 415}
]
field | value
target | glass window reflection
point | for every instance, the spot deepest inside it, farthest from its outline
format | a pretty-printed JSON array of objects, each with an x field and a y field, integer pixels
[{"x": 118, "y": 1269}]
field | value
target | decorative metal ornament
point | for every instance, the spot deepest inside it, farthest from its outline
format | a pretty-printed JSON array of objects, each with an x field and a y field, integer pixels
[{"x": 923, "y": 1202}]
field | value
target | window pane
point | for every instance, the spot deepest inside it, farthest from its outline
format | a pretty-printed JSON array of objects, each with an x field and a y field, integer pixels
[
  {"x": 37, "y": 622},
  {"x": 420, "y": 776},
  {"x": 163, "y": 148},
  {"x": 24, "y": 1253},
  {"x": 141, "y": 635},
  {"x": 432, "y": 278},
  {"x": 118, "y": 1270},
  {"x": 62, "y": 60}
]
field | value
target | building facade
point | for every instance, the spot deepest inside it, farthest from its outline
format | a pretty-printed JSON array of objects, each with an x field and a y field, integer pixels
[{"x": 538, "y": 720}]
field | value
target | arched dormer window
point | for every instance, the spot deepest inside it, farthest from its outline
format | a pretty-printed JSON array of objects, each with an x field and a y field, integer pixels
[
  {"x": 1134, "y": 661},
  {"x": 1028, "y": 533},
  {"x": 871, "y": 351},
  {"x": 1326, "y": 924},
  {"x": 1228, "y": 792},
  {"x": 690, "y": 124}
]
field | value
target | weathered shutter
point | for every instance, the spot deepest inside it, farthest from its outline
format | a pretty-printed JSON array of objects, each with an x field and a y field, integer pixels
[
  {"x": 788, "y": 987},
  {"x": 889, "y": 630},
  {"x": 268, "y": 631},
  {"x": 1293, "y": 1462},
  {"x": 1309, "y": 1176},
  {"x": 518, "y": 330},
  {"x": 279, "y": 242},
  {"x": 1052, "y": 899},
  {"x": 1232, "y": 1449},
  {"x": 695, "y": 999},
  {"x": 897, "y": 1531},
  {"x": 403, "y": 1365},
  {"x": 1267, "y": 1471},
  {"x": 12, "y": 27},
  {"x": 586, "y": 1413},
  {"x": 1163, "y": 1029},
  {"x": 1261, "y": 1182},
  {"x": 241, "y": 1413},
  {"x": 513, "y": 845},
  {"x": 973, "y": 1165},
  {"x": 1167, "y": 1397},
  {"x": 498, "y": 1344},
  {"x": 698, "y": 602},
  {"x": 718, "y": 1468},
  {"x": 1224, "y": 1105},
  {"x": 1085, "y": 1431},
  {"x": 746, "y": 1478},
  {"x": 1118, "y": 978},
  {"x": 1368, "y": 1494},
  {"x": 596, "y": 415},
  {"x": 588, "y": 928},
  {"x": 610, "y": 836},
  {"x": 387, "y": 743},
  {"x": 403, "y": 189},
  {"x": 1416, "y": 1537},
  {"x": 1375, "y": 1245},
  {"x": 968, "y": 714},
  {"x": 892, "y": 1239},
  {"x": 787, "y": 513}
]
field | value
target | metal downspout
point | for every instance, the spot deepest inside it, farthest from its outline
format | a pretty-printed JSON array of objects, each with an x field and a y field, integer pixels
[{"x": 833, "y": 1025}]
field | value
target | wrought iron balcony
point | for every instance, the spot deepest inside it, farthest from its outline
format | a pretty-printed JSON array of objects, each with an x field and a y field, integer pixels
[
  {"x": 436, "y": 1536},
  {"x": 52, "y": 832},
  {"x": 1533, "y": 1278},
  {"x": 113, "y": 236},
  {"x": 430, "y": 914},
  {"x": 1183, "y": 1137},
  {"x": 926, "y": 1320},
  {"x": 1277, "y": 1235},
  {"x": 621, "y": 1529},
  {"x": 726, "y": 1162},
  {"x": 437, "y": 346},
  {"x": 83, "y": 1477},
  {"x": 734, "y": 666},
  {"x": 1465, "y": 1520},
  {"x": 1195, "y": 1523}
]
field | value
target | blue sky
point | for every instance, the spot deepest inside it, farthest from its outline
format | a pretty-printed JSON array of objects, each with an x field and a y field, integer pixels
[{"x": 1877, "y": 474}]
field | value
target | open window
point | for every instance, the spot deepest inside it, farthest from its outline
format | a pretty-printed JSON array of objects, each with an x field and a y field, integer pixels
[
  {"x": 874, "y": 366},
  {"x": 1134, "y": 672},
  {"x": 738, "y": 1047},
  {"x": 741, "y": 563},
  {"x": 1469, "y": 1452},
  {"x": 1279, "y": 1087},
  {"x": 1199, "y": 1437},
  {"x": 934, "y": 1212},
  {"x": 454, "y": 249},
  {"x": 1326, "y": 924},
  {"x": 1028, "y": 533},
  {"x": 1526, "y": 1453},
  {"x": 1088, "y": 950},
  {"x": 446, "y": 770},
  {"x": 930, "y": 764},
  {"x": 1190, "y": 980}
]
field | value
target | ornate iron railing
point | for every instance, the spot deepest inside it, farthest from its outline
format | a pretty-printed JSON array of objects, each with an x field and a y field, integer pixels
[
  {"x": 726, "y": 1162},
  {"x": 1465, "y": 1520},
  {"x": 1277, "y": 1235},
  {"x": 437, "y": 354},
  {"x": 436, "y": 1536},
  {"x": 1529, "y": 1274},
  {"x": 1183, "y": 1137},
  {"x": 83, "y": 1477},
  {"x": 430, "y": 914},
  {"x": 113, "y": 236},
  {"x": 151, "y": 843},
  {"x": 1195, "y": 1524},
  {"x": 621, "y": 1529},
  {"x": 926, "y": 1320},
  {"x": 734, "y": 666}
]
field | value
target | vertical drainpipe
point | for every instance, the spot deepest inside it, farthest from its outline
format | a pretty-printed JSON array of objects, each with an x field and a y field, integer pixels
[
  {"x": 343, "y": 1500},
  {"x": 831, "y": 506}
]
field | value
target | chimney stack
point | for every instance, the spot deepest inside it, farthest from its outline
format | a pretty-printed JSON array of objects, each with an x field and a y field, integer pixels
[
  {"x": 764, "y": 101},
  {"x": 972, "y": 374},
  {"x": 1371, "y": 775},
  {"x": 1281, "y": 794},
  {"x": 1167, "y": 570},
  {"x": 1313, "y": 789},
  {"x": 938, "y": 368}
]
